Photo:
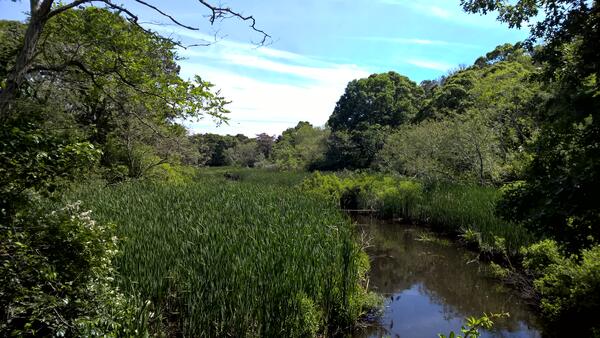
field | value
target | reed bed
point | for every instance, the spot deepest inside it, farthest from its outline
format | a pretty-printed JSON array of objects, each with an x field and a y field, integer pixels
[
  {"x": 471, "y": 211},
  {"x": 468, "y": 211},
  {"x": 222, "y": 258},
  {"x": 257, "y": 175}
]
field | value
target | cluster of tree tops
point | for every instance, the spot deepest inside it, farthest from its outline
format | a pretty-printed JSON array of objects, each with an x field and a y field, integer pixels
[
  {"x": 298, "y": 148},
  {"x": 523, "y": 117},
  {"x": 469, "y": 125}
]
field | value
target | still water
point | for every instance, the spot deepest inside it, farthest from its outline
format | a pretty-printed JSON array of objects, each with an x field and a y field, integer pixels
[{"x": 431, "y": 285}]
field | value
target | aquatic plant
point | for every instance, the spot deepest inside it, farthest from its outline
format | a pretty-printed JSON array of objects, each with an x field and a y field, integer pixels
[{"x": 219, "y": 257}]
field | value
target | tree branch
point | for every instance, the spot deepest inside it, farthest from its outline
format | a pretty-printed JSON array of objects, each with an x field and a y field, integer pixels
[{"x": 226, "y": 12}]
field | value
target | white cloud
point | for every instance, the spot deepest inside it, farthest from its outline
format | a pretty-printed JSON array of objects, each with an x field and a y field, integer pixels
[
  {"x": 445, "y": 10},
  {"x": 260, "y": 106},
  {"x": 309, "y": 91},
  {"x": 413, "y": 41},
  {"x": 439, "y": 12},
  {"x": 429, "y": 64}
]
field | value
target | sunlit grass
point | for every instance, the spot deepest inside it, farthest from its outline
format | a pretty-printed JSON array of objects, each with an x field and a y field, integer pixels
[
  {"x": 238, "y": 258},
  {"x": 468, "y": 211}
]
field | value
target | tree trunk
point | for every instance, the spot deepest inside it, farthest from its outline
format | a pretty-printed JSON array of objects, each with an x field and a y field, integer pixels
[
  {"x": 39, "y": 17},
  {"x": 480, "y": 158}
]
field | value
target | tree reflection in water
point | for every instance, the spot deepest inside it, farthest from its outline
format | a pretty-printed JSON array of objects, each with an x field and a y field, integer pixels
[{"x": 431, "y": 286}]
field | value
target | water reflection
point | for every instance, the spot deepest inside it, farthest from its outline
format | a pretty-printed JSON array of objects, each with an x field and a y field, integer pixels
[{"x": 431, "y": 286}]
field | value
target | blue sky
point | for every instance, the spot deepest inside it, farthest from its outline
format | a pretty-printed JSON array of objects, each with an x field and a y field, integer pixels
[{"x": 317, "y": 47}]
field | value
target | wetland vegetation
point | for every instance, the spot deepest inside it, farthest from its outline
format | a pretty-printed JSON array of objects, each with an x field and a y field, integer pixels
[{"x": 116, "y": 221}]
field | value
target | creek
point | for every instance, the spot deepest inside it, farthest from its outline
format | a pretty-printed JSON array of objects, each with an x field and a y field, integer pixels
[{"x": 431, "y": 284}]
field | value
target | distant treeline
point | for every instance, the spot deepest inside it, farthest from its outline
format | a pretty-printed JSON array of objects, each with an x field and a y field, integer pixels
[{"x": 471, "y": 125}]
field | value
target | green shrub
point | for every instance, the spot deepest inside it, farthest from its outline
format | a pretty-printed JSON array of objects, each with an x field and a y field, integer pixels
[
  {"x": 329, "y": 187},
  {"x": 569, "y": 286},
  {"x": 57, "y": 277},
  {"x": 539, "y": 256},
  {"x": 173, "y": 173}
]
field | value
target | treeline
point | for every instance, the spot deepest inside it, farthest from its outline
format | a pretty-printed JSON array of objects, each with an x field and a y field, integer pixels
[
  {"x": 472, "y": 125},
  {"x": 299, "y": 148}
]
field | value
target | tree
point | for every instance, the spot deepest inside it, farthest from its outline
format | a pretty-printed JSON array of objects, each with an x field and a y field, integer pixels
[
  {"x": 564, "y": 22},
  {"x": 460, "y": 150},
  {"x": 244, "y": 154},
  {"x": 213, "y": 147},
  {"x": 265, "y": 143},
  {"x": 110, "y": 79},
  {"x": 366, "y": 110},
  {"x": 387, "y": 99},
  {"x": 300, "y": 148},
  {"x": 355, "y": 149},
  {"x": 42, "y": 11},
  {"x": 561, "y": 184}
]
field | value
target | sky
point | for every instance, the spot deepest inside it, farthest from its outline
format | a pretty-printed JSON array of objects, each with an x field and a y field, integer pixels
[{"x": 317, "y": 47}]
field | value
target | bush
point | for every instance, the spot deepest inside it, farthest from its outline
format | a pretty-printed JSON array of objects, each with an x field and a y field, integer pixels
[
  {"x": 57, "y": 277},
  {"x": 329, "y": 187},
  {"x": 569, "y": 286}
]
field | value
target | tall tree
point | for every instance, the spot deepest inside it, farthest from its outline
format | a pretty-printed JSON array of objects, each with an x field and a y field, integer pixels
[
  {"x": 558, "y": 196},
  {"x": 300, "y": 148},
  {"x": 42, "y": 11},
  {"x": 110, "y": 78},
  {"x": 386, "y": 99},
  {"x": 265, "y": 143}
]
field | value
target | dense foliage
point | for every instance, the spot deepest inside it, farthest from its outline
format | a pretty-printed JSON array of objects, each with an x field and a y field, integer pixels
[
  {"x": 387, "y": 99},
  {"x": 115, "y": 85},
  {"x": 301, "y": 148},
  {"x": 555, "y": 197},
  {"x": 569, "y": 286},
  {"x": 56, "y": 272},
  {"x": 465, "y": 211},
  {"x": 278, "y": 262}
]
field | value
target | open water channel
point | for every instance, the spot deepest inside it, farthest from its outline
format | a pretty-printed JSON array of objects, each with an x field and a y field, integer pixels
[{"x": 430, "y": 285}]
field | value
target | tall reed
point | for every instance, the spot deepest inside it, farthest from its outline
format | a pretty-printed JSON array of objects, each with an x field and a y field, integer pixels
[{"x": 220, "y": 258}]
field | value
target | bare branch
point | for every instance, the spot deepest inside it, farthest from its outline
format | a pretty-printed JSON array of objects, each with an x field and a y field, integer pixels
[
  {"x": 166, "y": 15},
  {"x": 63, "y": 8},
  {"x": 226, "y": 12}
]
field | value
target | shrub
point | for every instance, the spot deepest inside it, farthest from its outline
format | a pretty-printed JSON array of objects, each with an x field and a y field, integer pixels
[
  {"x": 569, "y": 286},
  {"x": 57, "y": 277},
  {"x": 329, "y": 187}
]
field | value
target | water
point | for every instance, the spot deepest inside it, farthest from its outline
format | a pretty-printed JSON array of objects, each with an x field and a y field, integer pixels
[{"x": 431, "y": 285}]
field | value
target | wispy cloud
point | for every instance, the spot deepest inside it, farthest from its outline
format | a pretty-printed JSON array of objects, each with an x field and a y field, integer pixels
[
  {"x": 429, "y": 64},
  {"x": 309, "y": 91},
  {"x": 411, "y": 41},
  {"x": 445, "y": 10},
  {"x": 439, "y": 12},
  {"x": 261, "y": 106}
]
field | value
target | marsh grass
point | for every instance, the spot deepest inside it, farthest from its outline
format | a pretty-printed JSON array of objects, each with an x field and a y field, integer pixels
[
  {"x": 257, "y": 176},
  {"x": 466, "y": 211},
  {"x": 471, "y": 212},
  {"x": 220, "y": 258}
]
